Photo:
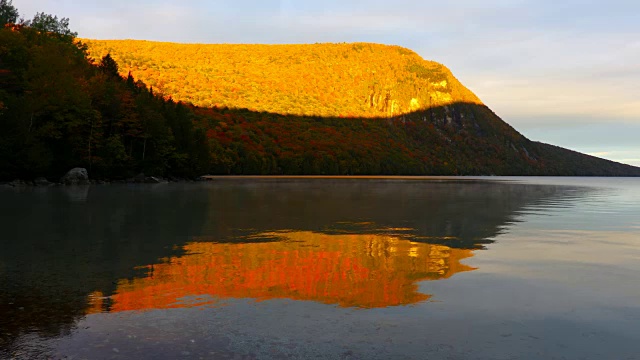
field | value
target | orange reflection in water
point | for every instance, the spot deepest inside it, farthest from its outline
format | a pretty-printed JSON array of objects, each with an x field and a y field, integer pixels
[{"x": 365, "y": 271}]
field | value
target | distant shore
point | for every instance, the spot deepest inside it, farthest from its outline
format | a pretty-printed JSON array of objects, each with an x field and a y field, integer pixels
[
  {"x": 339, "y": 177},
  {"x": 41, "y": 182}
]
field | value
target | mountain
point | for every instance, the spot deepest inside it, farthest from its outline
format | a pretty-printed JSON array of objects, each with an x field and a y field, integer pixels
[
  {"x": 350, "y": 108},
  {"x": 328, "y": 80},
  {"x": 119, "y": 108}
]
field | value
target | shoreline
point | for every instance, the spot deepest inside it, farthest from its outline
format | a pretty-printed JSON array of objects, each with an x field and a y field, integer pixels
[{"x": 43, "y": 182}]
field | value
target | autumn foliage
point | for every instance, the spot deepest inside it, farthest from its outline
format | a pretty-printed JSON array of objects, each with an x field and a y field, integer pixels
[
  {"x": 366, "y": 271},
  {"x": 328, "y": 80}
]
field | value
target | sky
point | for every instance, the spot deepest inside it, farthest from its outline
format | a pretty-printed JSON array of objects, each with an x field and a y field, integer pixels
[{"x": 564, "y": 72}]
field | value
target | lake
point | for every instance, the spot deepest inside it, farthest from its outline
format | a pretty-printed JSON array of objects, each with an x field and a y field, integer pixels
[{"x": 326, "y": 268}]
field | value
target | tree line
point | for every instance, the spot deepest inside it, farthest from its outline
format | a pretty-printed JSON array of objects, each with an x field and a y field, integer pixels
[{"x": 60, "y": 111}]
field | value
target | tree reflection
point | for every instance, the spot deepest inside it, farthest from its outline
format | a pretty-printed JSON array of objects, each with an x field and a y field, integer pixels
[
  {"x": 364, "y": 243},
  {"x": 354, "y": 270}
]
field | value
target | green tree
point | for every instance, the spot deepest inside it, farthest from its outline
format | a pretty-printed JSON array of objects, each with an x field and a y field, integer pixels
[
  {"x": 51, "y": 24},
  {"x": 8, "y": 13}
]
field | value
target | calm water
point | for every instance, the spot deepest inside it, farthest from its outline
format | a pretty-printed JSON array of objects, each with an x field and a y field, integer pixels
[{"x": 497, "y": 268}]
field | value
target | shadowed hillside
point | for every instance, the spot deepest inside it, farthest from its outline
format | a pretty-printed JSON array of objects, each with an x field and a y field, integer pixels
[{"x": 456, "y": 139}]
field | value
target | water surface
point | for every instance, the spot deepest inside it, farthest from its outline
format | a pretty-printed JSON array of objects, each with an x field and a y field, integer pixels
[{"x": 462, "y": 268}]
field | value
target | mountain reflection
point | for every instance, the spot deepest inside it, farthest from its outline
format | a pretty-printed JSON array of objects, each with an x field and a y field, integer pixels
[
  {"x": 353, "y": 270},
  {"x": 365, "y": 243}
]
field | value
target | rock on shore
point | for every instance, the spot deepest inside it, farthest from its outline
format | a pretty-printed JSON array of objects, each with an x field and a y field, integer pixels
[{"x": 76, "y": 176}]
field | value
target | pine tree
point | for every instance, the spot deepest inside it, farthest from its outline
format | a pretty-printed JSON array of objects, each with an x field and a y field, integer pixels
[{"x": 109, "y": 66}]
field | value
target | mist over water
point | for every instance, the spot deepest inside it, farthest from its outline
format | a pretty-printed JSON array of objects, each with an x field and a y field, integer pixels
[{"x": 469, "y": 268}]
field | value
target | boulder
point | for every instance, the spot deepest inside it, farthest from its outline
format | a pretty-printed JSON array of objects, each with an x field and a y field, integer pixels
[
  {"x": 152, "y": 180},
  {"x": 17, "y": 183},
  {"x": 76, "y": 176},
  {"x": 175, "y": 179},
  {"x": 41, "y": 181},
  {"x": 140, "y": 178}
]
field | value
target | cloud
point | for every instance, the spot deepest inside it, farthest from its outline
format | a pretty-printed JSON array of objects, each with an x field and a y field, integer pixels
[
  {"x": 600, "y": 153},
  {"x": 621, "y": 157},
  {"x": 625, "y": 157}
]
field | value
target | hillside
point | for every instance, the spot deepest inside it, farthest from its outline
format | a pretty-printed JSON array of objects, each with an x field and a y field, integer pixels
[
  {"x": 119, "y": 108},
  {"x": 357, "y": 80}
]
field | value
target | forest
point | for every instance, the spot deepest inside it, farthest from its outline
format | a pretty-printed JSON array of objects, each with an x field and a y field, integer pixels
[
  {"x": 120, "y": 108},
  {"x": 328, "y": 80},
  {"x": 59, "y": 111}
]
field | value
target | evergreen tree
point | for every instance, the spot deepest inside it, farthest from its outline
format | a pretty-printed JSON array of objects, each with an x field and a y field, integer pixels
[
  {"x": 109, "y": 66},
  {"x": 130, "y": 81},
  {"x": 8, "y": 13}
]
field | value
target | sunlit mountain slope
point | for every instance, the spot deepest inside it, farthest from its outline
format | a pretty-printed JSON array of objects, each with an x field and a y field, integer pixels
[{"x": 359, "y": 79}]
